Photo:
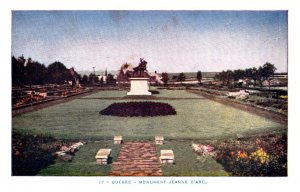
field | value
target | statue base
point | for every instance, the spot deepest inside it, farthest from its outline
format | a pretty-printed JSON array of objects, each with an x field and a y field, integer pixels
[{"x": 139, "y": 86}]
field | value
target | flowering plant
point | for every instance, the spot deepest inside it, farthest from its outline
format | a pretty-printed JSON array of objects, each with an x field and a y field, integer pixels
[
  {"x": 203, "y": 149},
  {"x": 260, "y": 155},
  {"x": 241, "y": 155}
]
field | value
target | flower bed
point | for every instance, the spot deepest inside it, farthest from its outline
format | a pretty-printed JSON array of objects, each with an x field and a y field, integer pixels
[
  {"x": 262, "y": 156},
  {"x": 203, "y": 149},
  {"x": 131, "y": 109}
]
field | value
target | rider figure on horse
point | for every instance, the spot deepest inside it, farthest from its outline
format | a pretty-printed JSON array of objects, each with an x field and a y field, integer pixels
[{"x": 140, "y": 70}]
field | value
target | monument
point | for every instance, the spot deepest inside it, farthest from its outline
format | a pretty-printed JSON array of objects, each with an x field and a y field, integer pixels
[{"x": 139, "y": 82}]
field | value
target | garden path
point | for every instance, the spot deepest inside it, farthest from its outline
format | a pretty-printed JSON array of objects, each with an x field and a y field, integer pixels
[{"x": 137, "y": 159}]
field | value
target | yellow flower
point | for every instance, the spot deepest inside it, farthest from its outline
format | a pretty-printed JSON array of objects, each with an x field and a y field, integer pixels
[{"x": 260, "y": 155}]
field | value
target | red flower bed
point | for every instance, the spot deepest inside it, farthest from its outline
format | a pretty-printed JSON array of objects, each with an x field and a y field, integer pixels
[{"x": 132, "y": 109}]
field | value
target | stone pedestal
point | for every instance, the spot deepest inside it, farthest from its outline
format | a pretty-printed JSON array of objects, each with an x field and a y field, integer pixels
[
  {"x": 102, "y": 156},
  {"x": 118, "y": 140},
  {"x": 159, "y": 140},
  {"x": 166, "y": 156},
  {"x": 139, "y": 86}
]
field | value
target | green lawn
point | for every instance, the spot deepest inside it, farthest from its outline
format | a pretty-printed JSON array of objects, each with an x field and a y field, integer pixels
[
  {"x": 187, "y": 163},
  {"x": 195, "y": 119},
  {"x": 84, "y": 162}
]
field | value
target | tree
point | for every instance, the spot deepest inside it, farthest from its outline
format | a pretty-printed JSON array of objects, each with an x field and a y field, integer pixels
[
  {"x": 36, "y": 73},
  {"x": 181, "y": 77},
  {"x": 84, "y": 79},
  {"x": 18, "y": 71},
  {"x": 238, "y": 74},
  {"x": 221, "y": 77},
  {"x": 229, "y": 76},
  {"x": 58, "y": 73},
  {"x": 110, "y": 80},
  {"x": 165, "y": 78},
  {"x": 268, "y": 70},
  {"x": 255, "y": 75},
  {"x": 199, "y": 77},
  {"x": 91, "y": 78},
  {"x": 225, "y": 76}
]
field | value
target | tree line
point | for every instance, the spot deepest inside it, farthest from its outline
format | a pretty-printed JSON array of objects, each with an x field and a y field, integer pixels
[
  {"x": 259, "y": 75},
  {"x": 29, "y": 72},
  {"x": 256, "y": 74},
  {"x": 180, "y": 78}
]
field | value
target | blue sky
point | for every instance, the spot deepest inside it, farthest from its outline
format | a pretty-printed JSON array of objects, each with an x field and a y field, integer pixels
[{"x": 171, "y": 41}]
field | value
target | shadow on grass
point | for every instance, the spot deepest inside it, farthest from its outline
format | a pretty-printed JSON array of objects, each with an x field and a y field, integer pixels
[{"x": 32, "y": 153}]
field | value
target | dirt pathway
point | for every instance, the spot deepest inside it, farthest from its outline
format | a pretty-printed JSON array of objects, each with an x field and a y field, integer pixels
[{"x": 137, "y": 159}]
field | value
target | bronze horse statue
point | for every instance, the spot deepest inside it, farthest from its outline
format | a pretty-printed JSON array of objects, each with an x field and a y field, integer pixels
[{"x": 141, "y": 69}]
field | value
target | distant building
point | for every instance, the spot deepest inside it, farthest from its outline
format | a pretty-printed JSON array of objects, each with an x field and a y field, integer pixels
[
  {"x": 278, "y": 79},
  {"x": 155, "y": 78},
  {"x": 75, "y": 77},
  {"x": 103, "y": 78}
]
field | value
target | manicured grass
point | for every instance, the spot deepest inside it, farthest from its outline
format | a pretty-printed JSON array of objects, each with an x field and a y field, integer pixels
[
  {"x": 107, "y": 94},
  {"x": 175, "y": 94},
  {"x": 187, "y": 163},
  {"x": 195, "y": 119},
  {"x": 84, "y": 162}
]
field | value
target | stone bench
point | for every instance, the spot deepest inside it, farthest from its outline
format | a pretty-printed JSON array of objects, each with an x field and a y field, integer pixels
[
  {"x": 102, "y": 156},
  {"x": 118, "y": 140},
  {"x": 166, "y": 156},
  {"x": 159, "y": 140}
]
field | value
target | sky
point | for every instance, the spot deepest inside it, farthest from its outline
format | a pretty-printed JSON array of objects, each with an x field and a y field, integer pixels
[{"x": 170, "y": 41}]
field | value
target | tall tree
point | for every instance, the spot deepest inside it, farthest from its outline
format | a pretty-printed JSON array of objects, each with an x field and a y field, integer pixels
[
  {"x": 58, "y": 73},
  {"x": 221, "y": 77},
  {"x": 181, "y": 77},
  {"x": 199, "y": 77},
  {"x": 165, "y": 78},
  {"x": 238, "y": 74},
  {"x": 91, "y": 78},
  {"x": 229, "y": 76},
  {"x": 225, "y": 76},
  {"x": 255, "y": 75},
  {"x": 84, "y": 79},
  {"x": 268, "y": 70},
  {"x": 37, "y": 73},
  {"x": 18, "y": 71},
  {"x": 110, "y": 79}
]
